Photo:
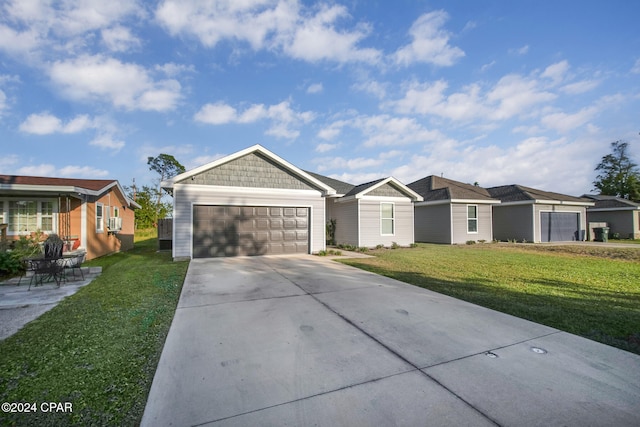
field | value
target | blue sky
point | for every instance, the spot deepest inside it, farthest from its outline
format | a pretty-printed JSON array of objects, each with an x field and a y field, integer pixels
[{"x": 494, "y": 92}]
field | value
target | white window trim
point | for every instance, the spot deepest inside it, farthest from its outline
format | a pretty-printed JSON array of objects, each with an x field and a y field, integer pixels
[
  {"x": 101, "y": 223},
  {"x": 393, "y": 218},
  {"x": 4, "y": 211},
  {"x": 477, "y": 219}
]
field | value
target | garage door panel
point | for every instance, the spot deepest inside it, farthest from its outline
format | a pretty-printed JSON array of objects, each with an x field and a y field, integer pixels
[
  {"x": 559, "y": 226},
  {"x": 249, "y": 230}
]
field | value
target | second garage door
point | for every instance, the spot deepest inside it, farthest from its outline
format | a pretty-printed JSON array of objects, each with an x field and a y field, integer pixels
[
  {"x": 559, "y": 226},
  {"x": 220, "y": 231}
]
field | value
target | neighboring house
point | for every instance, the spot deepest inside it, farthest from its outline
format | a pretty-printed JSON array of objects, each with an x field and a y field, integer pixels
[
  {"x": 621, "y": 215},
  {"x": 528, "y": 214},
  {"x": 452, "y": 212},
  {"x": 92, "y": 214},
  {"x": 375, "y": 213},
  {"x": 253, "y": 202}
]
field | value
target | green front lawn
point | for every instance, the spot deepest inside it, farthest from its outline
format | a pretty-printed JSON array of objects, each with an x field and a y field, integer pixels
[
  {"x": 586, "y": 291},
  {"x": 99, "y": 348}
]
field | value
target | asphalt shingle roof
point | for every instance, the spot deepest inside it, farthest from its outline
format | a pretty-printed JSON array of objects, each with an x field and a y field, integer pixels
[
  {"x": 341, "y": 187},
  {"x": 611, "y": 202},
  {"x": 433, "y": 188},
  {"x": 89, "y": 184},
  {"x": 517, "y": 193}
]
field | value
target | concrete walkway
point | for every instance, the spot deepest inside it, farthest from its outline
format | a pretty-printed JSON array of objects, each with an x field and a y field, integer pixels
[
  {"x": 19, "y": 306},
  {"x": 303, "y": 340}
]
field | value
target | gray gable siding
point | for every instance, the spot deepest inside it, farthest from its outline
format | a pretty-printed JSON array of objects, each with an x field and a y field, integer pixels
[
  {"x": 460, "y": 234},
  {"x": 252, "y": 170},
  {"x": 433, "y": 223},
  {"x": 386, "y": 190}
]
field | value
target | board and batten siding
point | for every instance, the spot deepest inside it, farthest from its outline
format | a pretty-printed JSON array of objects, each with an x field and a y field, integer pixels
[
  {"x": 559, "y": 208},
  {"x": 460, "y": 234},
  {"x": 432, "y": 223},
  {"x": 186, "y": 196},
  {"x": 370, "y": 223},
  {"x": 346, "y": 216}
]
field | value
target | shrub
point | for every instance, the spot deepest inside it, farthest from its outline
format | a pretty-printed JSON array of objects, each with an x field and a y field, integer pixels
[
  {"x": 379, "y": 246},
  {"x": 413, "y": 245},
  {"x": 9, "y": 264},
  {"x": 394, "y": 245},
  {"x": 322, "y": 253},
  {"x": 363, "y": 249},
  {"x": 471, "y": 242}
]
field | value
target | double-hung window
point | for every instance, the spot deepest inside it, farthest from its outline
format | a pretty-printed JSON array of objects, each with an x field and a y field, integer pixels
[
  {"x": 472, "y": 218},
  {"x": 99, "y": 218},
  {"x": 387, "y": 219},
  {"x": 28, "y": 216}
]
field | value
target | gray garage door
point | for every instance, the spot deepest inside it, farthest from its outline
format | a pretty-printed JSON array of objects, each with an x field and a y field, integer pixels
[
  {"x": 221, "y": 231},
  {"x": 559, "y": 226}
]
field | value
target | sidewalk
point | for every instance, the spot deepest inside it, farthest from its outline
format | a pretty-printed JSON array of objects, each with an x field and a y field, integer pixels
[{"x": 19, "y": 306}]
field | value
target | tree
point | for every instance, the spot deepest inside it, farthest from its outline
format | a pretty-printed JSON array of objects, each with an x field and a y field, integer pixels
[
  {"x": 618, "y": 176},
  {"x": 166, "y": 166},
  {"x": 146, "y": 216}
]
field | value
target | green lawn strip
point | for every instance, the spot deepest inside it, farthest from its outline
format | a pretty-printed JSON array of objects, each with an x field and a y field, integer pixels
[
  {"x": 595, "y": 297},
  {"x": 98, "y": 348}
]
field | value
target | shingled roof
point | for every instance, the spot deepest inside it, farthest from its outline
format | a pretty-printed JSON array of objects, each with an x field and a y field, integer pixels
[
  {"x": 17, "y": 183},
  {"x": 89, "y": 184},
  {"x": 341, "y": 187},
  {"x": 611, "y": 202},
  {"x": 435, "y": 188},
  {"x": 520, "y": 193}
]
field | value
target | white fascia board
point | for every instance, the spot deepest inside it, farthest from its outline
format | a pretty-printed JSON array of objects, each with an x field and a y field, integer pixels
[
  {"x": 476, "y": 202},
  {"x": 169, "y": 183},
  {"x": 548, "y": 202},
  {"x": 459, "y": 201},
  {"x": 385, "y": 199},
  {"x": 630, "y": 208},
  {"x": 196, "y": 188}
]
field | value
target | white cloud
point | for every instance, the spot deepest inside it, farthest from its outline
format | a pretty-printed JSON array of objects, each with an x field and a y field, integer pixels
[
  {"x": 46, "y": 124},
  {"x": 563, "y": 122},
  {"x": 316, "y": 39},
  {"x": 383, "y": 130},
  {"x": 580, "y": 87},
  {"x": 520, "y": 50},
  {"x": 172, "y": 69},
  {"x": 106, "y": 142},
  {"x": 37, "y": 170},
  {"x": 82, "y": 172},
  {"x": 42, "y": 27},
  {"x": 3, "y": 102},
  {"x": 282, "y": 117},
  {"x": 430, "y": 42},
  {"x": 128, "y": 86},
  {"x": 202, "y": 160},
  {"x": 120, "y": 39},
  {"x": 514, "y": 95},
  {"x": 536, "y": 162},
  {"x": 281, "y": 25},
  {"x": 636, "y": 67},
  {"x": 315, "y": 88},
  {"x": 324, "y": 147},
  {"x": 556, "y": 72},
  {"x": 371, "y": 87}
]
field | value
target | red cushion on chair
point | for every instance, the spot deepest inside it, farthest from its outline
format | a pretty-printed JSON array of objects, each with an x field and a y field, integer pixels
[{"x": 76, "y": 245}]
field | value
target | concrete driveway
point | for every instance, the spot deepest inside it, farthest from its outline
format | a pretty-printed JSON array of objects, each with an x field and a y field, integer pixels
[{"x": 304, "y": 340}]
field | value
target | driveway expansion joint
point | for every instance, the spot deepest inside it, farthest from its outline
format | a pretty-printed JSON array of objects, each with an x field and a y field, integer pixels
[{"x": 392, "y": 351}]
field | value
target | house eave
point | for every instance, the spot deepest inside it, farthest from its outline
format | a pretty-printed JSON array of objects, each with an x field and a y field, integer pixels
[
  {"x": 460, "y": 201},
  {"x": 547, "y": 202},
  {"x": 630, "y": 208}
]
